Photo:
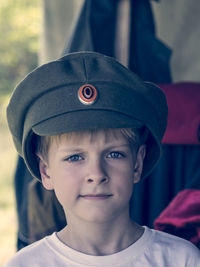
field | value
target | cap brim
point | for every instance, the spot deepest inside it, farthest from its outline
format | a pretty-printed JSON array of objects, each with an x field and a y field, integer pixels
[{"x": 84, "y": 120}]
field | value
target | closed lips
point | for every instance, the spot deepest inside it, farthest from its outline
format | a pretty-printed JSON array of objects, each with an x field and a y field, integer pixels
[{"x": 96, "y": 196}]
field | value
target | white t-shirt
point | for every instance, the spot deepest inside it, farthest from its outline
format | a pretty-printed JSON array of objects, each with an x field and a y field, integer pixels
[{"x": 154, "y": 248}]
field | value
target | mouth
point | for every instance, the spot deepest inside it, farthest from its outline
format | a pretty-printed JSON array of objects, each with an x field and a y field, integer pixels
[{"x": 96, "y": 196}]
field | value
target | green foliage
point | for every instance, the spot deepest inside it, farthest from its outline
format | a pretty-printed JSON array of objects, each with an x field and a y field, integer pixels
[{"x": 19, "y": 28}]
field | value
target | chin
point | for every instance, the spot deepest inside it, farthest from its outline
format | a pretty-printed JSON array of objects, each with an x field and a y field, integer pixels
[{"x": 99, "y": 216}]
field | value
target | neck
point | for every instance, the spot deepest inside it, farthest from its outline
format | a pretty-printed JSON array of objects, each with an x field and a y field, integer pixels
[{"x": 100, "y": 238}]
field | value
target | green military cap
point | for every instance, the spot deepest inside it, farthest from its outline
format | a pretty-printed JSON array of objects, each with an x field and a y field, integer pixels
[{"x": 85, "y": 90}]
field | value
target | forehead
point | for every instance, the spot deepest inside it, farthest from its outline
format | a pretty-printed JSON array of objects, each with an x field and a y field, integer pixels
[{"x": 92, "y": 136}]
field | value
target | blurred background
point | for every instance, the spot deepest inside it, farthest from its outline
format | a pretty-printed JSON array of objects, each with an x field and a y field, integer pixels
[
  {"x": 20, "y": 22},
  {"x": 35, "y": 31}
]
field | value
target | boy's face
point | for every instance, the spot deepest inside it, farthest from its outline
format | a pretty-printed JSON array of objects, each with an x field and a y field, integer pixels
[{"x": 93, "y": 176}]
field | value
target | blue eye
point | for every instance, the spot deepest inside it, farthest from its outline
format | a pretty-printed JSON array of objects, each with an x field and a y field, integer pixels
[
  {"x": 74, "y": 158},
  {"x": 115, "y": 155}
]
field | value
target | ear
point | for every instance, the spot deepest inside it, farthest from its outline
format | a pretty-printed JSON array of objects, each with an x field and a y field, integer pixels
[
  {"x": 139, "y": 163},
  {"x": 46, "y": 179}
]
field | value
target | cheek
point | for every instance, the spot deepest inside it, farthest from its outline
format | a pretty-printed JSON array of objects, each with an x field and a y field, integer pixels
[
  {"x": 66, "y": 186},
  {"x": 122, "y": 180},
  {"x": 66, "y": 192},
  {"x": 124, "y": 187},
  {"x": 123, "y": 170}
]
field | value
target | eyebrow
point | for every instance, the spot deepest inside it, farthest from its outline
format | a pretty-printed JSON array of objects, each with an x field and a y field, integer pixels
[
  {"x": 80, "y": 149},
  {"x": 118, "y": 146},
  {"x": 71, "y": 150}
]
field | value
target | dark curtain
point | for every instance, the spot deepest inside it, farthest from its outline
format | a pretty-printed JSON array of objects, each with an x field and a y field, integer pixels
[{"x": 96, "y": 28}]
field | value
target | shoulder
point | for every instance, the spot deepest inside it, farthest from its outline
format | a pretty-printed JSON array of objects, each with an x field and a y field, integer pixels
[
  {"x": 30, "y": 254},
  {"x": 172, "y": 240},
  {"x": 173, "y": 246}
]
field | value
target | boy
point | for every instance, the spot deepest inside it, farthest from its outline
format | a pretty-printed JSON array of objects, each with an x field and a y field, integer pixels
[{"x": 90, "y": 129}]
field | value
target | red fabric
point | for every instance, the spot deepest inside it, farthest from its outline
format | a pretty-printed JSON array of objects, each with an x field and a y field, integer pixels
[
  {"x": 182, "y": 216},
  {"x": 184, "y": 113}
]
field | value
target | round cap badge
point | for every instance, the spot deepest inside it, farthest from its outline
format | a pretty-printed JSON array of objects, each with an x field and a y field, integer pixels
[{"x": 87, "y": 94}]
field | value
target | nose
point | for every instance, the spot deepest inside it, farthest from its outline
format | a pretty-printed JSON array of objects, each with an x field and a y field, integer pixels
[{"x": 97, "y": 172}]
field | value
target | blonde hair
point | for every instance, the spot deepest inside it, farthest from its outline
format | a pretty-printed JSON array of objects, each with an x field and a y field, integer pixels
[{"x": 136, "y": 137}]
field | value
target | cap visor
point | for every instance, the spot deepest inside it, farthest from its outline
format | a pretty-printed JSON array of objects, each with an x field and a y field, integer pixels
[{"x": 84, "y": 120}]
